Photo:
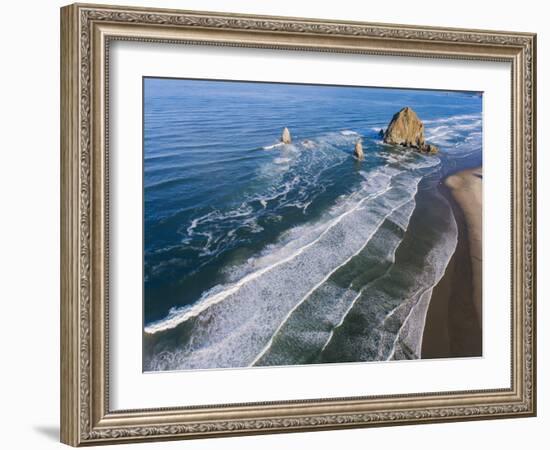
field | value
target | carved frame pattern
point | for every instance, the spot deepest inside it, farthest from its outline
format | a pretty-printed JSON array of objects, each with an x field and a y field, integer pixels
[{"x": 85, "y": 416}]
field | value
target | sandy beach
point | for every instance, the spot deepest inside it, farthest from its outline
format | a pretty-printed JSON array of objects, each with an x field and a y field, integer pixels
[{"x": 453, "y": 323}]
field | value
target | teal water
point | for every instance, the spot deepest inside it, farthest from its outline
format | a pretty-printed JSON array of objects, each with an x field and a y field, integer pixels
[{"x": 257, "y": 253}]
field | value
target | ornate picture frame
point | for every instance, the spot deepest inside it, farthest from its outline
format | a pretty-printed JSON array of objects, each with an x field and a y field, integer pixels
[{"x": 87, "y": 32}]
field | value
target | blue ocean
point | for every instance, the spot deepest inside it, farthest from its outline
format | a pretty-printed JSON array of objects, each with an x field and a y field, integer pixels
[{"x": 260, "y": 253}]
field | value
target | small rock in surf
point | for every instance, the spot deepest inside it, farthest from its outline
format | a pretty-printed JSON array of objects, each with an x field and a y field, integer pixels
[
  {"x": 285, "y": 137},
  {"x": 358, "y": 152}
]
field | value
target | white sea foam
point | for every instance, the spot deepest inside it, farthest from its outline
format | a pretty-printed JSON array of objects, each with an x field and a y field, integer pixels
[
  {"x": 270, "y": 147},
  {"x": 294, "y": 242},
  {"x": 282, "y": 160},
  {"x": 178, "y": 316},
  {"x": 292, "y": 179},
  {"x": 308, "y": 293},
  {"x": 231, "y": 326},
  {"x": 212, "y": 228},
  {"x": 401, "y": 218},
  {"x": 455, "y": 118},
  {"x": 395, "y": 325},
  {"x": 457, "y": 135},
  {"x": 411, "y": 331}
]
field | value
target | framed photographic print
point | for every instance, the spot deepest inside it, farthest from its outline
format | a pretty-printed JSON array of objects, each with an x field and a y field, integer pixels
[{"x": 276, "y": 224}]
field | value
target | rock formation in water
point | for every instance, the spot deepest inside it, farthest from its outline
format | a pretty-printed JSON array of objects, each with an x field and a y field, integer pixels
[
  {"x": 358, "y": 152},
  {"x": 429, "y": 148},
  {"x": 285, "y": 137},
  {"x": 407, "y": 129}
]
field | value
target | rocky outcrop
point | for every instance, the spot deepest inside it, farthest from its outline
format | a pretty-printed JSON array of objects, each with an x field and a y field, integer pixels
[
  {"x": 429, "y": 148},
  {"x": 358, "y": 152},
  {"x": 285, "y": 137},
  {"x": 407, "y": 129}
]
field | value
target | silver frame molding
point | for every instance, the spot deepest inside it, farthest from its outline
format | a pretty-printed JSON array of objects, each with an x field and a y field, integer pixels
[{"x": 86, "y": 32}]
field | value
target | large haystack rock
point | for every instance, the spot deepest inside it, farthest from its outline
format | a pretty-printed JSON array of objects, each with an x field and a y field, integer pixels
[{"x": 407, "y": 129}]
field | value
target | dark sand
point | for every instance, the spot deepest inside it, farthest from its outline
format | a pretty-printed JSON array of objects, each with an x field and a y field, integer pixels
[{"x": 453, "y": 321}]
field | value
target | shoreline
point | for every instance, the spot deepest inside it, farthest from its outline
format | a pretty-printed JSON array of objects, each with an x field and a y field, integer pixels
[{"x": 453, "y": 321}]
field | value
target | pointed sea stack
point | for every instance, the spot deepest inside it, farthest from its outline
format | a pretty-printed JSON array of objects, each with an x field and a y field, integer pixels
[
  {"x": 358, "y": 152},
  {"x": 407, "y": 129},
  {"x": 285, "y": 137}
]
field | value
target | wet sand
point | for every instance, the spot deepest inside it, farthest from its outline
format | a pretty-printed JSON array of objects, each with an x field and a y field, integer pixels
[{"x": 453, "y": 322}]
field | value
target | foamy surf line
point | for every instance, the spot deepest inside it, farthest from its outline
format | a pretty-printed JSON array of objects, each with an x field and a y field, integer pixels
[
  {"x": 425, "y": 292},
  {"x": 186, "y": 313},
  {"x": 285, "y": 319},
  {"x": 291, "y": 179},
  {"x": 331, "y": 301},
  {"x": 270, "y": 147},
  {"x": 230, "y": 337},
  {"x": 399, "y": 336},
  {"x": 458, "y": 117},
  {"x": 404, "y": 227}
]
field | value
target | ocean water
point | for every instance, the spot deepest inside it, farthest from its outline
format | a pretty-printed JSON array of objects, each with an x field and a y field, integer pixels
[{"x": 258, "y": 253}]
